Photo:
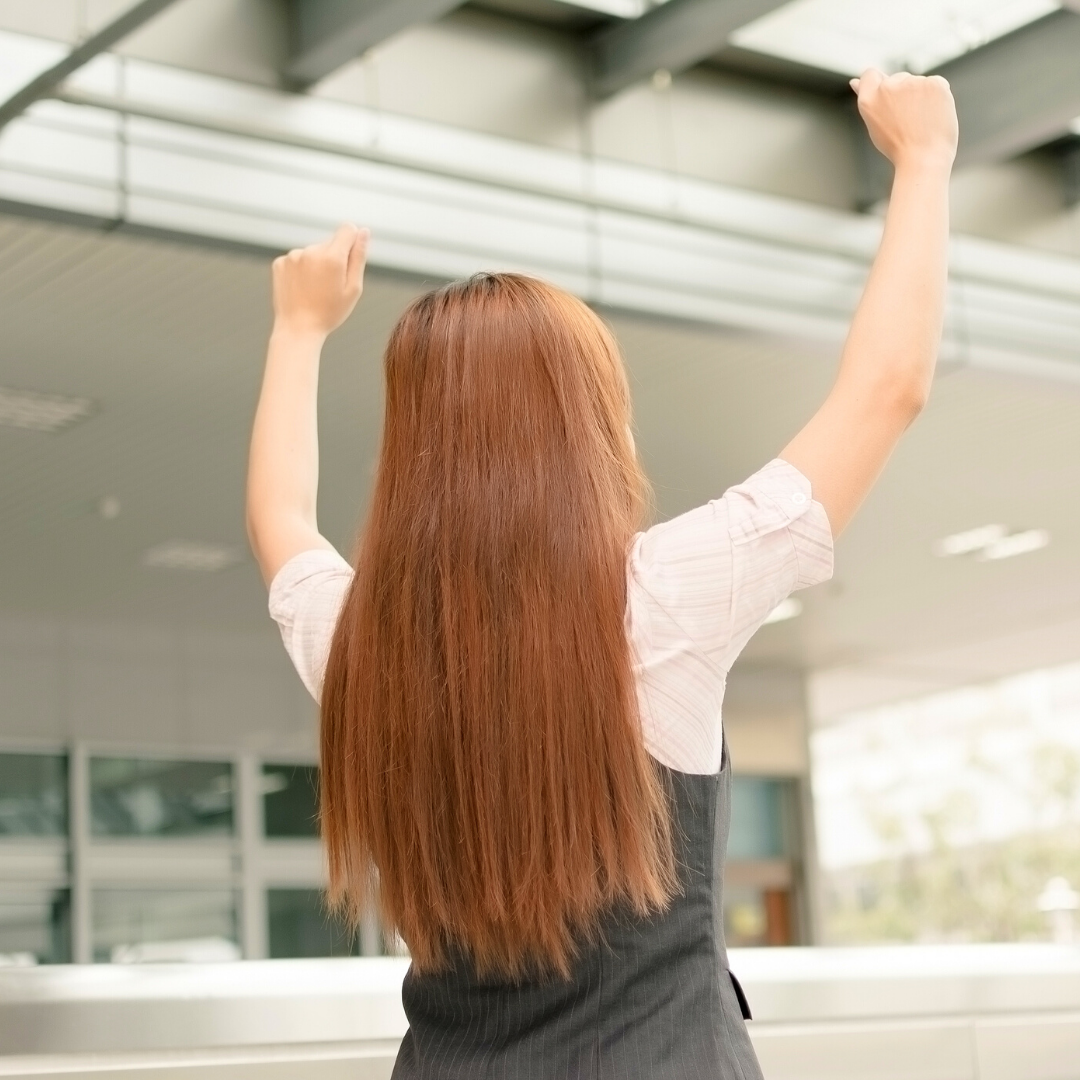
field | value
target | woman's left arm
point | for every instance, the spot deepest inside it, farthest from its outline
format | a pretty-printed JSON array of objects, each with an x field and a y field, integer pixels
[{"x": 315, "y": 290}]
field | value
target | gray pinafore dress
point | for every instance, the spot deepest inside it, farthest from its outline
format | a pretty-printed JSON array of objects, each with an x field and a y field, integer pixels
[{"x": 654, "y": 1000}]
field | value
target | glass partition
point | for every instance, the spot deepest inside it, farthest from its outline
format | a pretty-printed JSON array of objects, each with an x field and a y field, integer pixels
[
  {"x": 300, "y": 925},
  {"x": 290, "y": 800},
  {"x": 156, "y": 800},
  {"x": 146, "y": 797},
  {"x": 757, "y": 818},
  {"x": 164, "y": 924},
  {"x": 35, "y": 925},
  {"x": 33, "y": 795}
]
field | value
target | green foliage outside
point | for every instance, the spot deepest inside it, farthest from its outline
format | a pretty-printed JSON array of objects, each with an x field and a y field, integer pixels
[{"x": 986, "y": 892}]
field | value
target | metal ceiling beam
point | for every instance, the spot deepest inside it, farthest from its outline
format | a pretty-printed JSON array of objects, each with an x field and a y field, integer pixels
[
  {"x": 99, "y": 42},
  {"x": 672, "y": 37},
  {"x": 1018, "y": 92},
  {"x": 325, "y": 34},
  {"x": 1070, "y": 167}
]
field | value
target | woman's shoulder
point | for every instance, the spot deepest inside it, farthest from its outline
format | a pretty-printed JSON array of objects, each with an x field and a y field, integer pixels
[{"x": 306, "y": 596}]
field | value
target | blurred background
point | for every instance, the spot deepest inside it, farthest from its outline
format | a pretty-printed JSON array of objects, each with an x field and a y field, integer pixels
[{"x": 906, "y": 738}]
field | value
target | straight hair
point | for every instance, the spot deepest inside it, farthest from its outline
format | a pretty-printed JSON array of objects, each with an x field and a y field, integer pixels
[{"x": 484, "y": 778}]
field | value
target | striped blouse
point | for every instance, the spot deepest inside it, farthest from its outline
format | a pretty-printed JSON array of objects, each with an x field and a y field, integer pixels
[{"x": 698, "y": 586}]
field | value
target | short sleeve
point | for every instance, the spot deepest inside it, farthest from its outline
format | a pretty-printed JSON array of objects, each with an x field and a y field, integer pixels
[
  {"x": 781, "y": 542},
  {"x": 718, "y": 571},
  {"x": 306, "y": 596}
]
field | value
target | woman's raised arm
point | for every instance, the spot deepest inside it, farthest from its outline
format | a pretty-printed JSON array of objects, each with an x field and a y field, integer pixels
[
  {"x": 315, "y": 289},
  {"x": 888, "y": 360}
]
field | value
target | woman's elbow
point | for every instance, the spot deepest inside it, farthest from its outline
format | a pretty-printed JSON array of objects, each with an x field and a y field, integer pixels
[
  {"x": 255, "y": 524},
  {"x": 905, "y": 396}
]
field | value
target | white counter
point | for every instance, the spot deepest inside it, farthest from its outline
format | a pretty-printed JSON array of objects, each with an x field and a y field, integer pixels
[{"x": 947, "y": 1013}]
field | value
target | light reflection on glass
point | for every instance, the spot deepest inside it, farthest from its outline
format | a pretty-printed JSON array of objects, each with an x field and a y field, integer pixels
[{"x": 145, "y": 797}]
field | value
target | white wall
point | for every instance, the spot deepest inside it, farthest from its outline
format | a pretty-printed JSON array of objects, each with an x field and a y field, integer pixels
[
  {"x": 765, "y": 720},
  {"x": 146, "y": 686}
]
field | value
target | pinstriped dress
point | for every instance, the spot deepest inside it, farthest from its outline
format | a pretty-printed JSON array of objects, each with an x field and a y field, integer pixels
[{"x": 655, "y": 999}]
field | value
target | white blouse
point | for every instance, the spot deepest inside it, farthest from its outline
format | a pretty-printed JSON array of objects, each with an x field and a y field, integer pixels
[{"x": 698, "y": 586}]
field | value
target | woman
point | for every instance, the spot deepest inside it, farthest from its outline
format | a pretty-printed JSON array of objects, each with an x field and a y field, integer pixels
[{"x": 522, "y": 755}]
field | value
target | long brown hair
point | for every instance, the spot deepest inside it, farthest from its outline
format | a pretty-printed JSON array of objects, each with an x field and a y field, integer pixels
[{"x": 484, "y": 776}]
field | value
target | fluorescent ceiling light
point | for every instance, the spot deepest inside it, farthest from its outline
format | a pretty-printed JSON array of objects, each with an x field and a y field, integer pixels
[
  {"x": 109, "y": 507},
  {"x": 624, "y": 9},
  {"x": 992, "y": 542},
  {"x": 848, "y": 36},
  {"x": 41, "y": 412},
  {"x": 787, "y": 609},
  {"x": 1017, "y": 544},
  {"x": 971, "y": 540},
  {"x": 191, "y": 555}
]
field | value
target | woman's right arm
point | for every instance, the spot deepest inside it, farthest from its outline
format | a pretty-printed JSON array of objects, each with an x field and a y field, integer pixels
[
  {"x": 888, "y": 360},
  {"x": 315, "y": 289}
]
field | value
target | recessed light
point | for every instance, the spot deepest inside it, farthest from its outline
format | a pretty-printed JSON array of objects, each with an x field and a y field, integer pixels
[
  {"x": 971, "y": 540},
  {"x": 109, "y": 507},
  {"x": 786, "y": 609},
  {"x": 191, "y": 555},
  {"x": 1017, "y": 544},
  {"x": 32, "y": 411},
  {"x": 624, "y": 9}
]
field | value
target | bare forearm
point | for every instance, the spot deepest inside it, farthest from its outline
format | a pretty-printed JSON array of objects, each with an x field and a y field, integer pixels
[
  {"x": 283, "y": 470},
  {"x": 889, "y": 357},
  {"x": 896, "y": 331},
  {"x": 315, "y": 289}
]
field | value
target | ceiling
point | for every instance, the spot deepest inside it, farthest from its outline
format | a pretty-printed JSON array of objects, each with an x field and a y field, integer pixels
[
  {"x": 168, "y": 339},
  {"x": 841, "y": 36},
  {"x": 848, "y": 36}
]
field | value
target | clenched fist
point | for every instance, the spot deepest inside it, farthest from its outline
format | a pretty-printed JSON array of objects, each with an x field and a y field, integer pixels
[
  {"x": 911, "y": 118},
  {"x": 316, "y": 288}
]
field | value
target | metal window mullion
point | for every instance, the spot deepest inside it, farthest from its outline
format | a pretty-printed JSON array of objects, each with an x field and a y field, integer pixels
[
  {"x": 254, "y": 935},
  {"x": 810, "y": 899},
  {"x": 82, "y": 948}
]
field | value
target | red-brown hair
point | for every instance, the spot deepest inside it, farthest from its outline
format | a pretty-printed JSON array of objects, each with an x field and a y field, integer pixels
[{"x": 484, "y": 777}]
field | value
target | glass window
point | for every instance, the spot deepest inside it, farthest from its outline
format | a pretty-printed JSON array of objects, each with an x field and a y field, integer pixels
[
  {"x": 300, "y": 925},
  {"x": 290, "y": 800},
  {"x": 33, "y": 795},
  {"x": 175, "y": 924},
  {"x": 35, "y": 925},
  {"x": 757, "y": 818},
  {"x": 953, "y": 817},
  {"x": 142, "y": 797}
]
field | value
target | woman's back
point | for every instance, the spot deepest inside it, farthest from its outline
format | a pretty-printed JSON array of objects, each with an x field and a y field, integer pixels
[{"x": 650, "y": 996}]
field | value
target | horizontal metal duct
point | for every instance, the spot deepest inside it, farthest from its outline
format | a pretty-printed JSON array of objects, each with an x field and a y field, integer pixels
[{"x": 156, "y": 148}]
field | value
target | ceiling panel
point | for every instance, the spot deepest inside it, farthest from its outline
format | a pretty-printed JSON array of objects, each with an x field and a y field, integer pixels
[
  {"x": 848, "y": 36},
  {"x": 167, "y": 340}
]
